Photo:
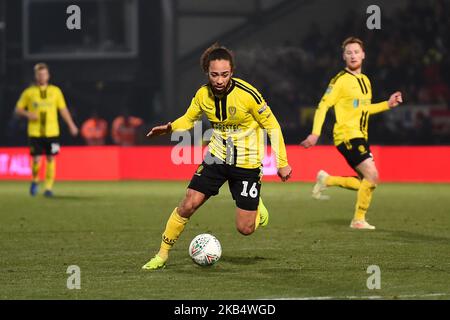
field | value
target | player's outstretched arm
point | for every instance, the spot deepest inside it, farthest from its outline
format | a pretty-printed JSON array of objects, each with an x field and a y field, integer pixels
[
  {"x": 329, "y": 99},
  {"x": 395, "y": 99},
  {"x": 185, "y": 122},
  {"x": 160, "y": 130},
  {"x": 268, "y": 121},
  {"x": 310, "y": 141}
]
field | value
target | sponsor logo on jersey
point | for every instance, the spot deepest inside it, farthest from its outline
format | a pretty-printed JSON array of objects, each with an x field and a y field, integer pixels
[{"x": 225, "y": 127}]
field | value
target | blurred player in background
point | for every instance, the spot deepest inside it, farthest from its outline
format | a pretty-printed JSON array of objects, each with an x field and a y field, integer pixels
[
  {"x": 238, "y": 113},
  {"x": 126, "y": 128},
  {"x": 40, "y": 104},
  {"x": 94, "y": 130},
  {"x": 350, "y": 92}
]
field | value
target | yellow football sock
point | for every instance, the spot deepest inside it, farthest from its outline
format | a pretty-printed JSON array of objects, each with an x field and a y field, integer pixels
[
  {"x": 50, "y": 174},
  {"x": 351, "y": 183},
  {"x": 174, "y": 228},
  {"x": 35, "y": 170},
  {"x": 363, "y": 199}
]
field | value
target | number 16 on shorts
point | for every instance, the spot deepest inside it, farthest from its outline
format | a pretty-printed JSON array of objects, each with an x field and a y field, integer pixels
[{"x": 253, "y": 192}]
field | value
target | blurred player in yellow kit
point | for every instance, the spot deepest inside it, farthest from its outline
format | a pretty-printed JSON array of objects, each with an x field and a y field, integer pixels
[
  {"x": 40, "y": 104},
  {"x": 238, "y": 114},
  {"x": 350, "y": 92}
]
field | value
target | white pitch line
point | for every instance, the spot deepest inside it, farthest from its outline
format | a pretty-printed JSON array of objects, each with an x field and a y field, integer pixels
[{"x": 404, "y": 296}]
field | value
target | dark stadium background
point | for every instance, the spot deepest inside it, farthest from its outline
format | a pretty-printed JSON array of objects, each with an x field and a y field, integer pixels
[{"x": 142, "y": 56}]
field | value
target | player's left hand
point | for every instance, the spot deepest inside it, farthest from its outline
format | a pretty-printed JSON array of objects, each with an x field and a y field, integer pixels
[
  {"x": 285, "y": 173},
  {"x": 395, "y": 99}
]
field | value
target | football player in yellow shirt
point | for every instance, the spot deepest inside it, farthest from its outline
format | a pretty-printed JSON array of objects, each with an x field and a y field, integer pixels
[
  {"x": 238, "y": 115},
  {"x": 40, "y": 104},
  {"x": 350, "y": 92}
]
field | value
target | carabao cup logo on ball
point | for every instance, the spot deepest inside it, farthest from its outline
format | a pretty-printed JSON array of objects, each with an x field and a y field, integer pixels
[{"x": 205, "y": 249}]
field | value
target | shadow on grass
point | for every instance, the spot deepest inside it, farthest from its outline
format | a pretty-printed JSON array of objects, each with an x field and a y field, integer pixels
[
  {"x": 233, "y": 260},
  {"x": 335, "y": 222},
  {"x": 388, "y": 233},
  {"x": 243, "y": 260},
  {"x": 415, "y": 237}
]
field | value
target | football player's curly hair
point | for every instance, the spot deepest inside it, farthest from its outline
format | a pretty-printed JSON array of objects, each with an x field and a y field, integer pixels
[{"x": 216, "y": 52}]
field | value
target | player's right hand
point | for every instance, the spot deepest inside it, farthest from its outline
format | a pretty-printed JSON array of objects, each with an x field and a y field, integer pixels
[
  {"x": 160, "y": 130},
  {"x": 310, "y": 141},
  {"x": 32, "y": 116}
]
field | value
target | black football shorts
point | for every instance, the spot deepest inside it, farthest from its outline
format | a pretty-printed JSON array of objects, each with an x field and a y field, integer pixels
[
  {"x": 47, "y": 146},
  {"x": 355, "y": 151},
  {"x": 244, "y": 184}
]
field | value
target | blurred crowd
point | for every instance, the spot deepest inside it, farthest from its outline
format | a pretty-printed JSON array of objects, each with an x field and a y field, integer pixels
[
  {"x": 410, "y": 53},
  {"x": 126, "y": 130}
]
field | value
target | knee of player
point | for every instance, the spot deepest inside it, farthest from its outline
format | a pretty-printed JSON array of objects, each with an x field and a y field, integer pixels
[
  {"x": 36, "y": 159},
  {"x": 375, "y": 179},
  {"x": 246, "y": 230},
  {"x": 186, "y": 208},
  {"x": 373, "y": 182},
  {"x": 188, "y": 205},
  {"x": 372, "y": 177}
]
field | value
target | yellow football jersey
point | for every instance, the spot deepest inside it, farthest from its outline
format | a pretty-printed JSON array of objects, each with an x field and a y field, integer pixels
[
  {"x": 44, "y": 102},
  {"x": 237, "y": 118},
  {"x": 351, "y": 96}
]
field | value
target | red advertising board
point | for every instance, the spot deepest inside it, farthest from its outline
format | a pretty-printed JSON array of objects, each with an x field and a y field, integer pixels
[{"x": 395, "y": 164}]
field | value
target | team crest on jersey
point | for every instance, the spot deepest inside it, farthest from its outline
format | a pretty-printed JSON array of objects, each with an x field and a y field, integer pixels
[
  {"x": 232, "y": 111},
  {"x": 355, "y": 103},
  {"x": 35, "y": 105},
  {"x": 362, "y": 149}
]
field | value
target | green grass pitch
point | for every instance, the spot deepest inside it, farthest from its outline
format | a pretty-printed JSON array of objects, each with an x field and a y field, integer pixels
[{"x": 111, "y": 229}]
